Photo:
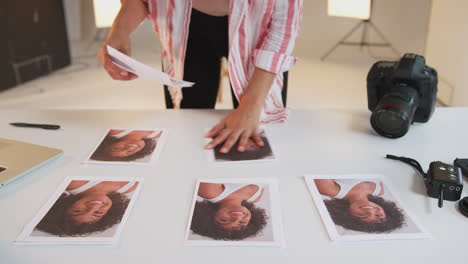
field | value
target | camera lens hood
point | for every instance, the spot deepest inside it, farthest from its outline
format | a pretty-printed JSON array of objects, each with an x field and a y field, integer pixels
[
  {"x": 463, "y": 206},
  {"x": 390, "y": 121}
]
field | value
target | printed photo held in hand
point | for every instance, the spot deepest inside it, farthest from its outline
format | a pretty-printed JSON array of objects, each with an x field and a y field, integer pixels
[
  {"x": 235, "y": 212},
  {"x": 84, "y": 210},
  {"x": 252, "y": 152},
  {"x": 129, "y": 146},
  {"x": 144, "y": 71},
  {"x": 361, "y": 207}
]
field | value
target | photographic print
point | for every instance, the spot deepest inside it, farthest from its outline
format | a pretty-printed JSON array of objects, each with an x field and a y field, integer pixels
[
  {"x": 361, "y": 207},
  {"x": 128, "y": 146},
  {"x": 84, "y": 210},
  {"x": 252, "y": 153},
  {"x": 235, "y": 212}
]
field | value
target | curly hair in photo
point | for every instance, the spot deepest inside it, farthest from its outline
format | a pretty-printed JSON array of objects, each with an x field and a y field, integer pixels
[
  {"x": 340, "y": 214},
  {"x": 58, "y": 222},
  {"x": 102, "y": 153},
  {"x": 234, "y": 155},
  {"x": 203, "y": 222}
]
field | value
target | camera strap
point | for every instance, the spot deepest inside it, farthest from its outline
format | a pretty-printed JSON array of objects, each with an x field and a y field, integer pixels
[{"x": 412, "y": 162}]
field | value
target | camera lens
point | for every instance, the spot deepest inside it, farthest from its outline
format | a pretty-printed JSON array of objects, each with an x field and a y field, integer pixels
[
  {"x": 395, "y": 112},
  {"x": 390, "y": 122}
]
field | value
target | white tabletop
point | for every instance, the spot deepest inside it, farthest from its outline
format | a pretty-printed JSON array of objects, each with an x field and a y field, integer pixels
[{"x": 315, "y": 141}]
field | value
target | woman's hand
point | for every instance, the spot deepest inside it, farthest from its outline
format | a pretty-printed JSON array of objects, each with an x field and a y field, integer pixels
[
  {"x": 131, "y": 14},
  {"x": 122, "y": 44},
  {"x": 240, "y": 125}
]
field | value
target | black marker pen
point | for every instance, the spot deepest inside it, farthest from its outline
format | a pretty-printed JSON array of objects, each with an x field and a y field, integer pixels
[{"x": 43, "y": 126}]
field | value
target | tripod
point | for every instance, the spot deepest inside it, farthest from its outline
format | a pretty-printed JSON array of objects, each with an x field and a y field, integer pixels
[{"x": 366, "y": 24}]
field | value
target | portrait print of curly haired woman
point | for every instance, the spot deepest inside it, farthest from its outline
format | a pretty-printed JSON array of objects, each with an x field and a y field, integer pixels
[
  {"x": 361, "y": 205},
  {"x": 251, "y": 152},
  {"x": 230, "y": 211},
  {"x": 86, "y": 207},
  {"x": 128, "y": 146}
]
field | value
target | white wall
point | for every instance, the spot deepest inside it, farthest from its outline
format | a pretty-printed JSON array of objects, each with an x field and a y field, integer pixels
[
  {"x": 79, "y": 15},
  {"x": 447, "y": 46},
  {"x": 73, "y": 19},
  {"x": 88, "y": 27},
  {"x": 404, "y": 22}
]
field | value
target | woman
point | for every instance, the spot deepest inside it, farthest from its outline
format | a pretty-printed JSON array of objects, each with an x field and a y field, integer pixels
[
  {"x": 257, "y": 37},
  {"x": 227, "y": 211},
  {"x": 126, "y": 145},
  {"x": 87, "y": 207},
  {"x": 357, "y": 205}
]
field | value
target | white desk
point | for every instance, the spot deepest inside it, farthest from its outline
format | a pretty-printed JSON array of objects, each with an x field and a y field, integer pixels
[{"x": 313, "y": 141}]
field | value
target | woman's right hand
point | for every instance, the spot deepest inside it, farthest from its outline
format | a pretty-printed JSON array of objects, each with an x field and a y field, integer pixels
[{"x": 122, "y": 44}]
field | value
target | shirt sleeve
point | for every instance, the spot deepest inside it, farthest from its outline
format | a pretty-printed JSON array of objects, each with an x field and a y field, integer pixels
[{"x": 274, "y": 54}]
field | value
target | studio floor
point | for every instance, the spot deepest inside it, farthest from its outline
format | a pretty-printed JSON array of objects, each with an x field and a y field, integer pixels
[{"x": 340, "y": 82}]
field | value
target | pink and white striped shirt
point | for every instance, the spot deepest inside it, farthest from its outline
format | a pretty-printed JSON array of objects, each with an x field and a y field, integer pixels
[{"x": 262, "y": 33}]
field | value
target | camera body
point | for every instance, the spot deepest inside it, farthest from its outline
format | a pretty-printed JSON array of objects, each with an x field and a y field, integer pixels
[
  {"x": 444, "y": 180},
  {"x": 400, "y": 93}
]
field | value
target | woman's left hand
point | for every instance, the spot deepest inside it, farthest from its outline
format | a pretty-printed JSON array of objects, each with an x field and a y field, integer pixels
[
  {"x": 242, "y": 124},
  {"x": 239, "y": 125}
]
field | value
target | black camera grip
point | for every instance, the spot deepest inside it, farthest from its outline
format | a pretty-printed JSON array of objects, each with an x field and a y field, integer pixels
[{"x": 441, "y": 195}]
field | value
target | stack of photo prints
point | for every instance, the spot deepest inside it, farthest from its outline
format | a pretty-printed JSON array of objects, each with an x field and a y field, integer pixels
[
  {"x": 224, "y": 212},
  {"x": 93, "y": 210}
]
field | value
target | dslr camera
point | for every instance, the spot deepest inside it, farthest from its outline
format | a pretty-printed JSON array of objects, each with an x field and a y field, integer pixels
[{"x": 400, "y": 93}]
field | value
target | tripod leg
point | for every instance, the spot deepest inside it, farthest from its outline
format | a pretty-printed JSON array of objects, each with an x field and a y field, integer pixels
[
  {"x": 341, "y": 40},
  {"x": 364, "y": 35},
  {"x": 398, "y": 53}
]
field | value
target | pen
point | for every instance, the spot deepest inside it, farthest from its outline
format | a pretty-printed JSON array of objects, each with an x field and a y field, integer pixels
[{"x": 43, "y": 126}]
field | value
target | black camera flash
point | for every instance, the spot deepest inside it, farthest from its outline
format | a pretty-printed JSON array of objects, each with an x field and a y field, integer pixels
[{"x": 442, "y": 181}]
